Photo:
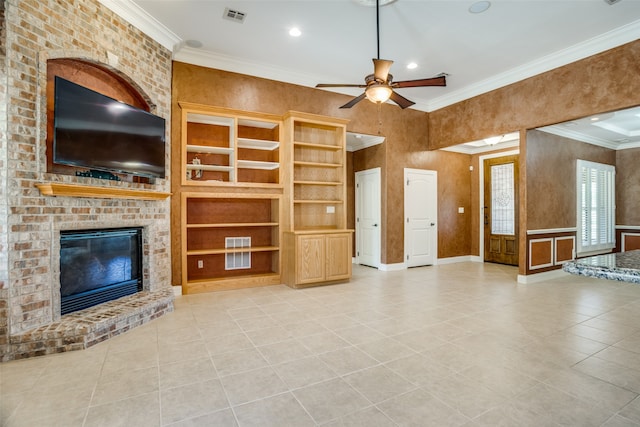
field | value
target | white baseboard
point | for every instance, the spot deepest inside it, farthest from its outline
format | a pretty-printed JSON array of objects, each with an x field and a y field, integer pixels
[
  {"x": 393, "y": 267},
  {"x": 539, "y": 277},
  {"x": 456, "y": 259},
  {"x": 439, "y": 261}
]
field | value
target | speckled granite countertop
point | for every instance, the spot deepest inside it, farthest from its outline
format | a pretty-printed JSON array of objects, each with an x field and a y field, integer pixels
[{"x": 622, "y": 266}]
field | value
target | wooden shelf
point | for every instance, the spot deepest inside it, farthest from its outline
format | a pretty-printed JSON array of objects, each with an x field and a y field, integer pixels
[
  {"x": 227, "y": 283},
  {"x": 319, "y": 229},
  {"x": 257, "y": 144},
  {"x": 251, "y": 164},
  {"x": 316, "y": 183},
  {"x": 216, "y": 168},
  {"x": 317, "y": 164},
  {"x": 209, "y": 119},
  {"x": 328, "y": 202},
  {"x": 317, "y": 146},
  {"x": 233, "y": 250},
  {"x": 236, "y": 224},
  {"x": 205, "y": 149},
  {"x": 79, "y": 190}
]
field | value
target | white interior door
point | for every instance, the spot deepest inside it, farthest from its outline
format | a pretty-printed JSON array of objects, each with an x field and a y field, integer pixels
[
  {"x": 421, "y": 214},
  {"x": 368, "y": 224}
]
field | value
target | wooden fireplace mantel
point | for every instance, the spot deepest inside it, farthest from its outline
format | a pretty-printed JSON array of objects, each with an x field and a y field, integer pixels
[{"x": 78, "y": 190}]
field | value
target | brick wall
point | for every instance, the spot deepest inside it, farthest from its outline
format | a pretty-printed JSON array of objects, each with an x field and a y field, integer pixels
[
  {"x": 4, "y": 259},
  {"x": 35, "y": 31}
]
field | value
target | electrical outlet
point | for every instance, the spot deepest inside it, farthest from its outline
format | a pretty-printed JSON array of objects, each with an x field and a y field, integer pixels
[
  {"x": 200, "y": 263},
  {"x": 461, "y": 210},
  {"x": 331, "y": 209}
]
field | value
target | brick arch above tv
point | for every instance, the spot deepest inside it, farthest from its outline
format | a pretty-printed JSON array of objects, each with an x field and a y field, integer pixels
[{"x": 98, "y": 77}]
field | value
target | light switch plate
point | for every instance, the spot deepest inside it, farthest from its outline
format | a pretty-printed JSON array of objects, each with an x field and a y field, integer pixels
[
  {"x": 331, "y": 209},
  {"x": 461, "y": 210}
]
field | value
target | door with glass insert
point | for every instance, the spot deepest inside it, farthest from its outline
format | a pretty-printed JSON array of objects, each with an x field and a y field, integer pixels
[{"x": 501, "y": 210}]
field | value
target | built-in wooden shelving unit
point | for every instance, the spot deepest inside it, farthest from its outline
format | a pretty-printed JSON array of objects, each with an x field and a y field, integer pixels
[{"x": 317, "y": 245}]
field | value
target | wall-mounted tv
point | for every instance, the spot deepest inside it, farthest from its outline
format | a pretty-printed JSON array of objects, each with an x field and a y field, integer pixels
[{"x": 99, "y": 133}]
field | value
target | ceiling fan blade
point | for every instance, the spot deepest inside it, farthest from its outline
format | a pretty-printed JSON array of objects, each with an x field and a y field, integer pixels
[
  {"x": 338, "y": 85},
  {"x": 381, "y": 69},
  {"x": 434, "y": 81},
  {"x": 354, "y": 101},
  {"x": 401, "y": 100}
]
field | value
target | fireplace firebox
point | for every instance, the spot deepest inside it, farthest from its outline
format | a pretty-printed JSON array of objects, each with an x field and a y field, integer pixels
[{"x": 97, "y": 266}]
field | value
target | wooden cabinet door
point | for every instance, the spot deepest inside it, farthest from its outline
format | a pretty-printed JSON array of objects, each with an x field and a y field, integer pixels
[
  {"x": 338, "y": 256},
  {"x": 310, "y": 259}
]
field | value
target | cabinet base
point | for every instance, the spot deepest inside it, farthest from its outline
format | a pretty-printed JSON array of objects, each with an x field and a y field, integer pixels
[
  {"x": 311, "y": 285},
  {"x": 225, "y": 284}
]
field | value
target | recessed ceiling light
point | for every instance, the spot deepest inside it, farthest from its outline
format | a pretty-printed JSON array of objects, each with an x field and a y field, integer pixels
[
  {"x": 595, "y": 119},
  {"x": 193, "y": 43},
  {"x": 295, "y": 32},
  {"x": 412, "y": 65},
  {"x": 479, "y": 6}
]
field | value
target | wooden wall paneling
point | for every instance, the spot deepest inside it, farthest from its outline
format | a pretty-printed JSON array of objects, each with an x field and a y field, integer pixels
[
  {"x": 630, "y": 241},
  {"x": 540, "y": 253},
  {"x": 564, "y": 249}
]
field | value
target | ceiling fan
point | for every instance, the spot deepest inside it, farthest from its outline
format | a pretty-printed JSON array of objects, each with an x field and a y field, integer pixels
[{"x": 379, "y": 86}]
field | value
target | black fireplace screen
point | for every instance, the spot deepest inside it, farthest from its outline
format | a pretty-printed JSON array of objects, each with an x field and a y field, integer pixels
[{"x": 98, "y": 266}]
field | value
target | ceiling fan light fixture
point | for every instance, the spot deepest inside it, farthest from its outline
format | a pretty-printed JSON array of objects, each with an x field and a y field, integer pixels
[{"x": 378, "y": 93}]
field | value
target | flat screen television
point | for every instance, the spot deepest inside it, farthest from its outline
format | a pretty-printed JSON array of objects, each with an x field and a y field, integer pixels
[{"x": 99, "y": 133}]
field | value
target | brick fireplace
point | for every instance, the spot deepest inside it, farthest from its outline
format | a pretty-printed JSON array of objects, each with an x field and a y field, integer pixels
[{"x": 32, "y": 33}]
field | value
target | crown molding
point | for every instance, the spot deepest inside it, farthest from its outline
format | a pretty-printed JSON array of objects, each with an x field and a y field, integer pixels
[
  {"x": 465, "y": 149},
  {"x": 578, "y": 136},
  {"x": 229, "y": 63},
  {"x": 358, "y": 141},
  {"x": 139, "y": 18},
  {"x": 601, "y": 43}
]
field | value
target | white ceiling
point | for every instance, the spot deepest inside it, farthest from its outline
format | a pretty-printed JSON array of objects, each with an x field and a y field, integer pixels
[
  {"x": 618, "y": 130},
  {"x": 512, "y": 40}
]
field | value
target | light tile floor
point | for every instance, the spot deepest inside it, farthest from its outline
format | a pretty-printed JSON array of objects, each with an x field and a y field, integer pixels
[{"x": 459, "y": 344}]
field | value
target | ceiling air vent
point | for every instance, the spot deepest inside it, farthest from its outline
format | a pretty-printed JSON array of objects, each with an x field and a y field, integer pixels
[{"x": 234, "y": 15}]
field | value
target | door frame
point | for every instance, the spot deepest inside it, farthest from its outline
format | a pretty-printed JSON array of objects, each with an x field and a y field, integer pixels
[
  {"x": 481, "y": 160},
  {"x": 378, "y": 173},
  {"x": 404, "y": 217}
]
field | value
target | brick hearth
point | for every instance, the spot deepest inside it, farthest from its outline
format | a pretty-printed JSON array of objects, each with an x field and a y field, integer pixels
[{"x": 84, "y": 328}]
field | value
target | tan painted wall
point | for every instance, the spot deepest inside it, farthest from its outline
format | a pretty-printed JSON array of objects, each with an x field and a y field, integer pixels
[
  {"x": 551, "y": 183},
  {"x": 628, "y": 187}
]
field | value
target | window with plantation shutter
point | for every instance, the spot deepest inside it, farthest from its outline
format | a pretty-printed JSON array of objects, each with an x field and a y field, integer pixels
[{"x": 596, "y": 207}]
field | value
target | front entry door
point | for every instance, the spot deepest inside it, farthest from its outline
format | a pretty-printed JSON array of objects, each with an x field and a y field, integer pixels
[{"x": 501, "y": 210}]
